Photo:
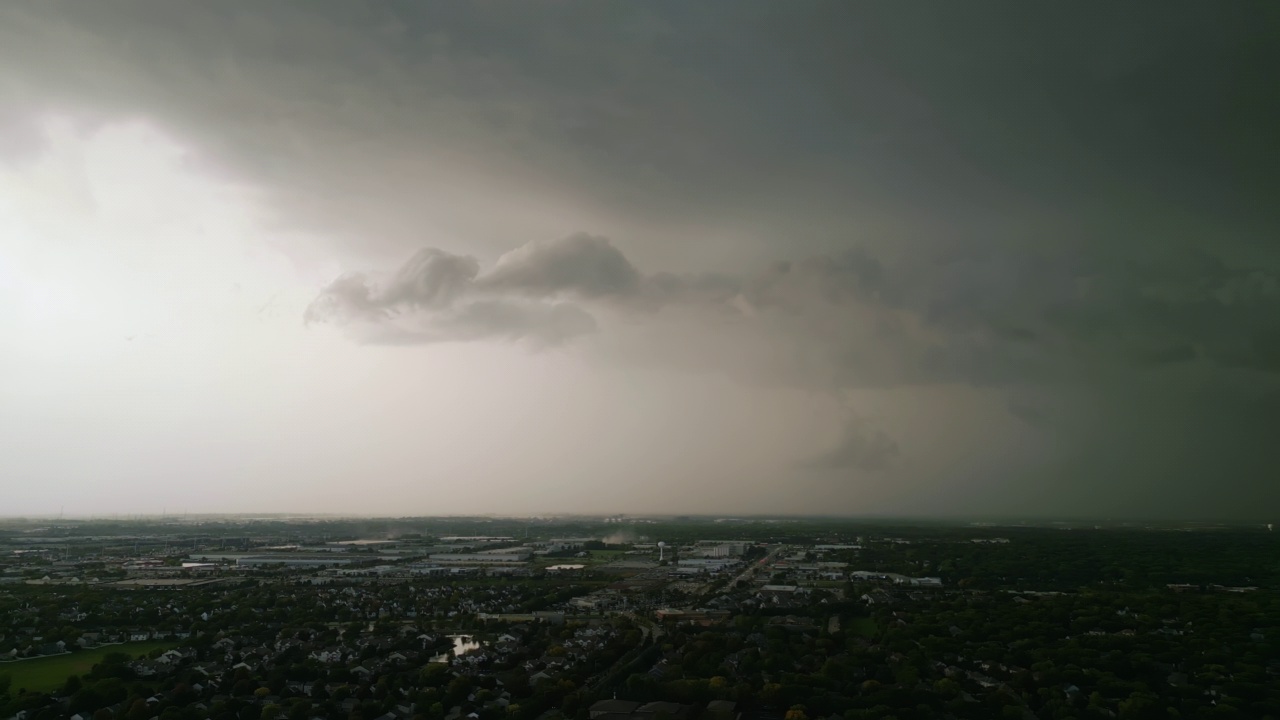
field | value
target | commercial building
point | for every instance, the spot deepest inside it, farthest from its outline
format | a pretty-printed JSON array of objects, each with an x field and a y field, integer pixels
[
  {"x": 560, "y": 544},
  {"x": 296, "y": 560},
  {"x": 364, "y": 544},
  {"x": 517, "y": 555},
  {"x": 424, "y": 569},
  {"x": 710, "y": 565},
  {"x": 721, "y": 548}
]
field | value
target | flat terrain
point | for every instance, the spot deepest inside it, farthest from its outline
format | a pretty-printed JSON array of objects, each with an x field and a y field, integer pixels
[
  {"x": 863, "y": 626},
  {"x": 49, "y": 673},
  {"x": 594, "y": 557}
]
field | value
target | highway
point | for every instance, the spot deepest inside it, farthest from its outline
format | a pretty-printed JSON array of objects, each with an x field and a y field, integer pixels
[{"x": 751, "y": 570}]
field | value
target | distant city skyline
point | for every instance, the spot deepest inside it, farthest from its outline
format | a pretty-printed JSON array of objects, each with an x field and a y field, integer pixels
[{"x": 940, "y": 260}]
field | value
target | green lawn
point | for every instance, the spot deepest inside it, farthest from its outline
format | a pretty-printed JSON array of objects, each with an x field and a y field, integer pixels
[
  {"x": 597, "y": 557},
  {"x": 863, "y": 626},
  {"x": 606, "y": 555},
  {"x": 49, "y": 673}
]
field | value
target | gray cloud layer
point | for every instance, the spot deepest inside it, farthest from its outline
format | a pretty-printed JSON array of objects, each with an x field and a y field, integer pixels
[
  {"x": 1080, "y": 348},
  {"x": 979, "y": 318},
  {"x": 437, "y": 296},
  {"x": 1066, "y": 211},
  {"x": 656, "y": 118},
  {"x": 861, "y": 447}
]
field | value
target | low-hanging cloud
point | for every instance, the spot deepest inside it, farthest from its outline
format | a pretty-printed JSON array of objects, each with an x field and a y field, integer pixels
[
  {"x": 861, "y": 446},
  {"x": 847, "y": 320},
  {"x": 584, "y": 265},
  {"x": 1065, "y": 339},
  {"x": 437, "y": 296}
]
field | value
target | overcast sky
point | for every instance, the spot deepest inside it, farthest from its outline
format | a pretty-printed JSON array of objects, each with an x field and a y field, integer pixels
[{"x": 997, "y": 259}]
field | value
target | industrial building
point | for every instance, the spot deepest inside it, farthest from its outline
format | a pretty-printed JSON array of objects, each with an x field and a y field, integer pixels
[
  {"x": 560, "y": 544},
  {"x": 516, "y": 555},
  {"x": 711, "y": 565},
  {"x": 721, "y": 548},
  {"x": 692, "y": 617},
  {"x": 297, "y": 560},
  {"x": 363, "y": 544}
]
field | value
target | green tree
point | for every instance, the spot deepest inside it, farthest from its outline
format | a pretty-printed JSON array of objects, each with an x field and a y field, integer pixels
[
  {"x": 139, "y": 710},
  {"x": 71, "y": 686}
]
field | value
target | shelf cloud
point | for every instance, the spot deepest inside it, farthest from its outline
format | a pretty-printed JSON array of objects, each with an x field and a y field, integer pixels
[{"x": 822, "y": 257}]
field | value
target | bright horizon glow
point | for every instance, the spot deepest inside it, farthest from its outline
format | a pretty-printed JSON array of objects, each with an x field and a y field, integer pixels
[{"x": 159, "y": 359}]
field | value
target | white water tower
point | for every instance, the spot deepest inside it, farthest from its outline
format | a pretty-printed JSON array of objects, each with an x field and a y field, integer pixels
[{"x": 661, "y": 548}]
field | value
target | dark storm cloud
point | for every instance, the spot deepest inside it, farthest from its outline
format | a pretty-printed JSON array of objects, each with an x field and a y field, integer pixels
[
  {"x": 431, "y": 278},
  {"x": 437, "y": 297},
  {"x": 580, "y": 264},
  {"x": 385, "y": 106},
  {"x": 862, "y": 446},
  {"x": 1072, "y": 208},
  {"x": 1148, "y": 373},
  {"x": 988, "y": 319},
  {"x": 802, "y": 119},
  {"x": 530, "y": 293}
]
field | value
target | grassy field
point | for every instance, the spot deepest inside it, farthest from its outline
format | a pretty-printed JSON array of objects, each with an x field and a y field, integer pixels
[
  {"x": 596, "y": 557},
  {"x": 49, "y": 673},
  {"x": 864, "y": 626},
  {"x": 604, "y": 556}
]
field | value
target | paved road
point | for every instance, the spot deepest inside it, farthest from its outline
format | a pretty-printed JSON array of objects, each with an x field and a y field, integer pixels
[{"x": 751, "y": 570}]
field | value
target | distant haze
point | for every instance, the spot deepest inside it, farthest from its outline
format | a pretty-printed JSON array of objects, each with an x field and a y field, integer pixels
[{"x": 924, "y": 259}]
